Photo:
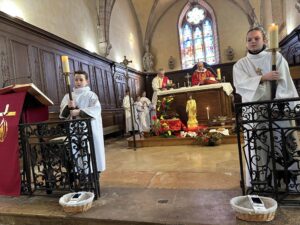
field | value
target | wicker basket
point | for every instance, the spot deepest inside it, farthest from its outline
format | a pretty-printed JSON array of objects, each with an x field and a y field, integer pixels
[
  {"x": 82, "y": 205},
  {"x": 244, "y": 211}
]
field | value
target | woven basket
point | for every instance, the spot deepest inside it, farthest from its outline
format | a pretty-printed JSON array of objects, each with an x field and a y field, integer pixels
[
  {"x": 244, "y": 211},
  {"x": 83, "y": 205}
]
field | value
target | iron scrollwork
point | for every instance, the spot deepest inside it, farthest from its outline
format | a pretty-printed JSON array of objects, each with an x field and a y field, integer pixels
[
  {"x": 58, "y": 157},
  {"x": 271, "y": 148}
]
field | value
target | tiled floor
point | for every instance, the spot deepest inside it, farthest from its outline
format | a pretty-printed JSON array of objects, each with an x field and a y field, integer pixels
[{"x": 158, "y": 185}]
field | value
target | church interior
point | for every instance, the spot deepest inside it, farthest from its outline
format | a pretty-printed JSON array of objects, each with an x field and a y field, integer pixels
[{"x": 122, "y": 45}]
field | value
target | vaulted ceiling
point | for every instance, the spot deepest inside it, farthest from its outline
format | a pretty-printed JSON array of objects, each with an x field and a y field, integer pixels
[{"x": 149, "y": 13}]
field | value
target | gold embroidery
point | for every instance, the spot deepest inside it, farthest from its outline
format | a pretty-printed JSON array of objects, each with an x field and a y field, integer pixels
[
  {"x": 4, "y": 124},
  {"x": 259, "y": 71}
]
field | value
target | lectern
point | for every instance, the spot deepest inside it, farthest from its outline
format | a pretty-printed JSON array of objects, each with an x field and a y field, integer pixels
[{"x": 18, "y": 103}]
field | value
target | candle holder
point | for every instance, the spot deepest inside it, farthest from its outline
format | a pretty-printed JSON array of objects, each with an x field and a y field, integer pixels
[{"x": 274, "y": 59}]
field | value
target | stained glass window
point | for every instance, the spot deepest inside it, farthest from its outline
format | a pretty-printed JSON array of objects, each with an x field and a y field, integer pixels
[{"x": 197, "y": 37}]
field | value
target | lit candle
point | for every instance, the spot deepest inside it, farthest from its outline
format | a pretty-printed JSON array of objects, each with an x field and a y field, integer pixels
[
  {"x": 207, "y": 112},
  {"x": 273, "y": 35},
  {"x": 219, "y": 74},
  {"x": 65, "y": 64}
]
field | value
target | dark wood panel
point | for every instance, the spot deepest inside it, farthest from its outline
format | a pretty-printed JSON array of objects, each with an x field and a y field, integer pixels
[
  {"x": 21, "y": 66},
  {"x": 49, "y": 71},
  {"x": 290, "y": 47},
  {"x": 4, "y": 60},
  {"x": 36, "y": 69},
  {"x": 218, "y": 102}
]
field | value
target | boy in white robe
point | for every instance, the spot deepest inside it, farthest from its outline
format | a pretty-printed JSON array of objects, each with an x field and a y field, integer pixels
[
  {"x": 252, "y": 75},
  {"x": 147, "y": 108},
  {"x": 86, "y": 104},
  {"x": 126, "y": 106}
]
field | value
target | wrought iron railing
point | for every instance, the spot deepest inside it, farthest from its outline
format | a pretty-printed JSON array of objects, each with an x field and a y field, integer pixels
[
  {"x": 269, "y": 152},
  {"x": 58, "y": 157}
]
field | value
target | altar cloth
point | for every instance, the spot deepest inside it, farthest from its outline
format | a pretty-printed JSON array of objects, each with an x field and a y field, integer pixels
[{"x": 227, "y": 88}]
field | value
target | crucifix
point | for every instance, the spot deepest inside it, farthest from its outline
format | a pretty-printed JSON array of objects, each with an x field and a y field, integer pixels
[
  {"x": 125, "y": 62},
  {"x": 188, "y": 79}
]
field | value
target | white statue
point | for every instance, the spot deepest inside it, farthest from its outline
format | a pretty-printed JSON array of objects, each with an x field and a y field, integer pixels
[{"x": 148, "y": 60}]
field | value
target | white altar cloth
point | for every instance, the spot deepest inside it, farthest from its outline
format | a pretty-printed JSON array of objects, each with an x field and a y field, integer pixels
[{"x": 227, "y": 88}]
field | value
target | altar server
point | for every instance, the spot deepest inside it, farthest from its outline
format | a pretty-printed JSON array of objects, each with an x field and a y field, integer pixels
[
  {"x": 86, "y": 104},
  {"x": 251, "y": 76}
]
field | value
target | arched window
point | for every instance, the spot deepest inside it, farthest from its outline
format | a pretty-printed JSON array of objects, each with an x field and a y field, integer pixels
[{"x": 198, "y": 35}]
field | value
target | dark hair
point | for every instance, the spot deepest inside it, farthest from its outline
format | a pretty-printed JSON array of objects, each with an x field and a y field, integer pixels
[
  {"x": 82, "y": 72},
  {"x": 258, "y": 28}
]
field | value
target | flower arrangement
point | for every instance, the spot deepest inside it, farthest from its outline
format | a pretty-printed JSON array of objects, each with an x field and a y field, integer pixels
[
  {"x": 156, "y": 126},
  {"x": 164, "y": 106},
  {"x": 209, "y": 138}
]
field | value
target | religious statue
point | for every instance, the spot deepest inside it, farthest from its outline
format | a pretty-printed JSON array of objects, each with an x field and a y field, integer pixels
[
  {"x": 229, "y": 53},
  {"x": 203, "y": 76},
  {"x": 191, "y": 109},
  {"x": 148, "y": 60},
  {"x": 171, "y": 63}
]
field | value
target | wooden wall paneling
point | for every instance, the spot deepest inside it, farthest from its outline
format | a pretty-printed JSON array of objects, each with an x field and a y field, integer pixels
[
  {"x": 49, "y": 71},
  {"x": 35, "y": 64},
  {"x": 290, "y": 47},
  {"x": 21, "y": 61},
  {"x": 100, "y": 86},
  {"x": 38, "y": 53},
  {"x": 111, "y": 87},
  {"x": 121, "y": 86},
  {"x": 4, "y": 60},
  {"x": 92, "y": 78}
]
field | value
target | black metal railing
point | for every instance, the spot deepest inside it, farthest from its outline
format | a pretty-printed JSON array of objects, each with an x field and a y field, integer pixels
[
  {"x": 270, "y": 148},
  {"x": 58, "y": 157}
]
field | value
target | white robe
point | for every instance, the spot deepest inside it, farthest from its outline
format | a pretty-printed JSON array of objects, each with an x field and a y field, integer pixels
[
  {"x": 128, "y": 122},
  {"x": 147, "y": 107},
  {"x": 247, "y": 81},
  {"x": 142, "y": 114},
  {"x": 156, "y": 85},
  {"x": 87, "y": 101},
  {"x": 247, "y": 84}
]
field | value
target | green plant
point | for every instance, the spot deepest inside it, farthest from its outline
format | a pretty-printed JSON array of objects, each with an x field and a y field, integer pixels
[{"x": 209, "y": 138}]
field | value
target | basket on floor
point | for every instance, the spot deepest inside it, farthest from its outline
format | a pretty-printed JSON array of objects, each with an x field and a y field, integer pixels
[
  {"x": 244, "y": 211},
  {"x": 82, "y": 205}
]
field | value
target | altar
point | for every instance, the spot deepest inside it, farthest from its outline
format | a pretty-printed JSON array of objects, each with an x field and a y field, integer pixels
[{"x": 212, "y": 100}]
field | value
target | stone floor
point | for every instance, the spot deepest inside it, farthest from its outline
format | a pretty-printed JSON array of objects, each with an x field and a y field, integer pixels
[{"x": 158, "y": 185}]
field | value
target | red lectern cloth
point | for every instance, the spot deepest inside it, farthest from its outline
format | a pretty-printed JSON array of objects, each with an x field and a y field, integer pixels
[{"x": 10, "y": 110}]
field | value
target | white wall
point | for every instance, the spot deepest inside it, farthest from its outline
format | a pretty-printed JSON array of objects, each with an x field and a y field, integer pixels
[
  {"x": 73, "y": 20},
  {"x": 124, "y": 35}
]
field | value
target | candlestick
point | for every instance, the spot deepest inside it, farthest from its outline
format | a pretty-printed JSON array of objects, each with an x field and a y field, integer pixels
[
  {"x": 219, "y": 74},
  {"x": 65, "y": 64},
  {"x": 273, "y": 35},
  {"x": 207, "y": 112}
]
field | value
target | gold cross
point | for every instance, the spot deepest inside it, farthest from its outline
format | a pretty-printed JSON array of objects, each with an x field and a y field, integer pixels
[
  {"x": 6, "y": 112},
  {"x": 258, "y": 71}
]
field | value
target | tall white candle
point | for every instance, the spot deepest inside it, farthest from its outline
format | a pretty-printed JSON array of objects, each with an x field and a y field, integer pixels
[
  {"x": 65, "y": 64},
  {"x": 219, "y": 74},
  {"x": 273, "y": 36},
  {"x": 207, "y": 112}
]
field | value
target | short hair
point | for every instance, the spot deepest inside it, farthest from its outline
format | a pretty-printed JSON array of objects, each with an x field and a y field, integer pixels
[
  {"x": 258, "y": 28},
  {"x": 82, "y": 72},
  {"x": 161, "y": 70}
]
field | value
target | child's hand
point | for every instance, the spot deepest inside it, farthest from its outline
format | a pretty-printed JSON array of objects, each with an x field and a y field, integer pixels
[
  {"x": 71, "y": 104},
  {"x": 75, "y": 112}
]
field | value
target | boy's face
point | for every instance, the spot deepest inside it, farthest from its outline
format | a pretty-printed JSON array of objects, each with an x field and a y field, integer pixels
[
  {"x": 80, "y": 81},
  {"x": 255, "y": 41}
]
